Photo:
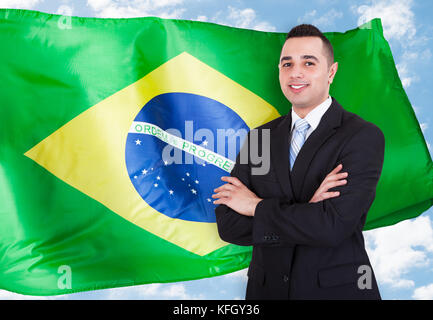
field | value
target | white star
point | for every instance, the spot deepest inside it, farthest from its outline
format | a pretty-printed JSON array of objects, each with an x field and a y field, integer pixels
[
  {"x": 205, "y": 143},
  {"x": 183, "y": 179},
  {"x": 196, "y": 181},
  {"x": 165, "y": 163},
  {"x": 135, "y": 177},
  {"x": 158, "y": 178},
  {"x": 187, "y": 174},
  {"x": 193, "y": 191},
  {"x": 171, "y": 191},
  {"x": 155, "y": 185},
  {"x": 144, "y": 171},
  {"x": 204, "y": 164},
  {"x": 137, "y": 142},
  {"x": 208, "y": 200}
]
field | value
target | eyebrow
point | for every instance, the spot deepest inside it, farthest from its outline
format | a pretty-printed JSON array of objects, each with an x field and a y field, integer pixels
[{"x": 305, "y": 57}]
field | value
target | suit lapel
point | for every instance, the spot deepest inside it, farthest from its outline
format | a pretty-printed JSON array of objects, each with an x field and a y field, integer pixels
[
  {"x": 326, "y": 128},
  {"x": 280, "y": 154}
]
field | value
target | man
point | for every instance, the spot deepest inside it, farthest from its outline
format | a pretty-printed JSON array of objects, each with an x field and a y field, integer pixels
[{"x": 305, "y": 217}]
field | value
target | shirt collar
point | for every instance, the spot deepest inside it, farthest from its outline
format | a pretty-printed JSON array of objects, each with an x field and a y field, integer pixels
[{"x": 314, "y": 116}]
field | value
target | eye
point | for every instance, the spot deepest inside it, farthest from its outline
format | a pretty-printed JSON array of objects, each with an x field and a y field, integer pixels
[
  {"x": 287, "y": 64},
  {"x": 309, "y": 63}
]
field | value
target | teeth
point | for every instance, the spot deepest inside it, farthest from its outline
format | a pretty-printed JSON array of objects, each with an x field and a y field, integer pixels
[{"x": 298, "y": 87}]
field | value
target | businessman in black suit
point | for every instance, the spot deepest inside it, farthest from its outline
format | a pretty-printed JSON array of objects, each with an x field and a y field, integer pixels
[{"x": 304, "y": 217}]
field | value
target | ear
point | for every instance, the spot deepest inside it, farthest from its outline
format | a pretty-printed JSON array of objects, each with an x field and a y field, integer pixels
[{"x": 332, "y": 71}]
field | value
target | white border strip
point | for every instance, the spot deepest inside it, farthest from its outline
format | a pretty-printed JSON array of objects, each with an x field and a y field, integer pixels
[{"x": 184, "y": 145}]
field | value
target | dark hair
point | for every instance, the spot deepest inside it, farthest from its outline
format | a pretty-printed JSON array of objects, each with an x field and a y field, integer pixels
[{"x": 308, "y": 30}]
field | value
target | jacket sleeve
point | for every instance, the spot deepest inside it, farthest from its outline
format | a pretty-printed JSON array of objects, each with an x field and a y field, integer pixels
[
  {"x": 328, "y": 222},
  {"x": 232, "y": 226}
]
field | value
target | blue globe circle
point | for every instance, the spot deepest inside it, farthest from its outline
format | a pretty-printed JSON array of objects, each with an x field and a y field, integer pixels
[{"x": 182, "y": 190}]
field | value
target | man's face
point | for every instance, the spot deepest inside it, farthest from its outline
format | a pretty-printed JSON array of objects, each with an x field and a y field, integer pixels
[{"x": 304, "y": 73}]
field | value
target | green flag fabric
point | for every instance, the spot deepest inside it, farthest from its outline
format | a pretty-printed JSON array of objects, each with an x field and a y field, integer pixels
[{"x": 91, "y": 109}]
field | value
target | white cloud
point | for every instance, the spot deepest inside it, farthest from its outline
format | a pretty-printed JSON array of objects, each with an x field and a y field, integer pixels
[
  {"x": 423, "y": 293},
  {"x": 19, "y": 4},
  {"x": 397, "y": 17},
  {"x": 138, "y": 8},
  {"x": 177, "y": 291},
  {"x": 324, "y": 21},
  {"x": 65, "y": 10},
  {"x": 406, "y": 76},
  {"x": 158, "y": 291},
  {"x": 99, "y": 5},
  {"x": 426, "y": 54},
  {"x": 241, "y": 275},
  {"x": 201, "y": 18},
  {"x": 327, "y": 2},
  {"x": 241, "y": 18},
  {"x": 417, "y": 110},
  {"x": 308, "y": 17},
  {"x": 408, "y": 59},
  {"x": 396, "y": 250},
  {"x": 399, "y": 27},
  {"x": 7, "y": 295},
  {"x": 154, "y": 291}
]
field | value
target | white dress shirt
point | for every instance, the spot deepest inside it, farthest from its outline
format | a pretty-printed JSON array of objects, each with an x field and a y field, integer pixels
[{"x": 313, "y": 117}]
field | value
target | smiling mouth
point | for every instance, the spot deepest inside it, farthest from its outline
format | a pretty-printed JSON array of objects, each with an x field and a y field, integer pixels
[{"x": 297, "y": 86}]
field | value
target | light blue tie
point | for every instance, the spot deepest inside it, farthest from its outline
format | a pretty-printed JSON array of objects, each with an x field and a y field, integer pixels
[{"x": 298, "y": 139}]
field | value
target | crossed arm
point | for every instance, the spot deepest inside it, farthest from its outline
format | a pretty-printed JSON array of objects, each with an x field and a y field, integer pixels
[
  {"x": 328, "y": 218},
  {"x": 239, "y": 198}
]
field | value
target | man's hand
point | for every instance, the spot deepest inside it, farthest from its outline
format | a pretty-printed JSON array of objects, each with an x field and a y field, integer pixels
[
  {"x": 237, "y": 196},
  {"x": 331, "y": 180}
]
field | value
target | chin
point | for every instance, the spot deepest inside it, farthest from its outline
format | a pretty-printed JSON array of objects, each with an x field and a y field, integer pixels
[{"x": 299, "y": 103}]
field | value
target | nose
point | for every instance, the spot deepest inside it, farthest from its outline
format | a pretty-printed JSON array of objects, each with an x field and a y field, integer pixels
[{"x": 296, "y": 72}]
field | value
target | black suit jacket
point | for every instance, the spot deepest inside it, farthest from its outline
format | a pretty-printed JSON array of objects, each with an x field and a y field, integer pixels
[{"x": 307, "y": 250}]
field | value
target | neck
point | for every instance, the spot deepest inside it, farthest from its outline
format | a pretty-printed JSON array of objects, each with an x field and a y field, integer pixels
[{"x": 303, "y": 111}]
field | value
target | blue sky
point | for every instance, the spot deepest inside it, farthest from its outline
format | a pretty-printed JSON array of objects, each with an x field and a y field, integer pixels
[{"x": 402, "y": 255}]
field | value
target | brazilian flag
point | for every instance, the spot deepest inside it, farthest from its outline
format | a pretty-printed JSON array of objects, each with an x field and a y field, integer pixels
[{"x": 95, "y": 112}]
